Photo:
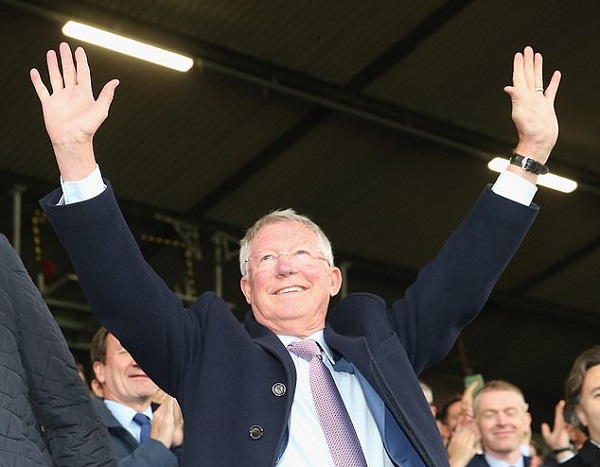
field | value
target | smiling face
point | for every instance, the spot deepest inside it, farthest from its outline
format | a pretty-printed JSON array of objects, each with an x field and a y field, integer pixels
[
  {"x": 503, "y": 421},
  {"x": 287, "y": 296},
  {"x": 122, "y": 379},
  {"x": 588, "y": 409}
]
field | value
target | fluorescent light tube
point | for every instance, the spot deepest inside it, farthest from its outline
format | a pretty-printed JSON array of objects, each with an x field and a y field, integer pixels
[
  {"x": 127, "y": 46},
  {"x": 566, "y": 185}
]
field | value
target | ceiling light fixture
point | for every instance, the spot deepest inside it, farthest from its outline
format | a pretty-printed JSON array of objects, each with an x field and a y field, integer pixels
[
  {"x": 127, "y": 46},
  {"x": 566, "y": 185}
]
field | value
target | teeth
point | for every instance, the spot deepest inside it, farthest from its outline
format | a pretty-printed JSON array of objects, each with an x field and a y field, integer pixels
[{"x": 289, "y": 289}]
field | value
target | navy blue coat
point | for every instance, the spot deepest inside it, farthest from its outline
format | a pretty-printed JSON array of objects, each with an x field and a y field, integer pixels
[{"x": 229, "y": 378}]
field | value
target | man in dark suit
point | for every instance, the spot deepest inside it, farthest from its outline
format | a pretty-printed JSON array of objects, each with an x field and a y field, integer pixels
[
  {"x": 503, "y": 421},
  {"x": 127, "y": 396},
  {"x": 245, "y": 397},
  {"x": 582, "y": 392}
]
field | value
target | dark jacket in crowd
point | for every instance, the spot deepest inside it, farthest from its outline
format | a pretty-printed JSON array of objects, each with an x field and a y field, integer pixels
[
  {"x": 46, "y": 415},
  {"x": 479, "y": 461},
  {"x": 129, "y": 452},
  {"x": 588, "y": 456}
]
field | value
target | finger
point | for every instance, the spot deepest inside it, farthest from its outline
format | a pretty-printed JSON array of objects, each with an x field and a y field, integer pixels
[
  {"x": 538, "y": 67},
  {"x": 552, "y": 88},
  {"x": 56, "y": 81},
  {"x": 39, "y": 86},
  {"x": 545, "y": 430},
  {"x": 559, "y": 418},
  {"x": 518, "y": 70},
  {"x": 159, "y": 396},
  {"x": 529, "y": 67},
  {"x": 68, "y": 67},
  {"x": 83, "y": 74},
  {"x": 468, "y": 394}
]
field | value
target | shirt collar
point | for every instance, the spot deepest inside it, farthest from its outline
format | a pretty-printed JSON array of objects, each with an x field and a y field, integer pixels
[
  {"x": 493, "y": 462},
  {"x": 123, "y": 413},
  {"x": 318, "y": 337}
]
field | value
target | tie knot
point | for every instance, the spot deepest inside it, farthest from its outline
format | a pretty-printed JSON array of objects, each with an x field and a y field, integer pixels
[
  {"x": 141, "y": 419},
  {"x": 306, "y": 349}
]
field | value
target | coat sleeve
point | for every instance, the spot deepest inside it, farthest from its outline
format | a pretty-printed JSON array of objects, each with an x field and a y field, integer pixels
[
  {"x": 127, "y": 296},
  {"x": 452, "y": 289},
  {"x": 58, "y": 397}
]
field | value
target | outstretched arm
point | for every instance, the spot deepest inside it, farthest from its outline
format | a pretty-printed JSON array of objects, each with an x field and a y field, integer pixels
[
  {"x": 533, "y": 109},
  {"x": 71, "y": 114}
]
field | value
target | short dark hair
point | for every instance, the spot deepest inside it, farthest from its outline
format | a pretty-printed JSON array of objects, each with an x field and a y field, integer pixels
[
  {"x": 443, "y": 413},
  {"x": 98, "y": 345}
]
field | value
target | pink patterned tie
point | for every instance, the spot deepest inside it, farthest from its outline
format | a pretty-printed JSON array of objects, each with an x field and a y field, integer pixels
[{"x": 336, "y": 424}]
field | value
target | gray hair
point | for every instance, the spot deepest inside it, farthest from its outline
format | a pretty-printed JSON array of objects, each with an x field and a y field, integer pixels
[{"x": 277, "y": 216}]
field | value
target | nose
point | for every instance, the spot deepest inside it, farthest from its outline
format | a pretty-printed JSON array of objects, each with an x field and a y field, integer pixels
[
  {"x": 284, "y": 264},
  {"x": 501, "y": 419}
]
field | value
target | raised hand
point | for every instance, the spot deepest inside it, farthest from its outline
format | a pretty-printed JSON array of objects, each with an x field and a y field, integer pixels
[
  {"x": 533, "y": 107},
  {"x": 556, "y": 437},
  {"x": 71, "y": 114}
]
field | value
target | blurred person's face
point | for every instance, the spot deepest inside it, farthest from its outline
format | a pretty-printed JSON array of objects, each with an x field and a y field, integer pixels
[
  {"x": 503, "y": 422},
  {"x": 535, "y": 461},
  {"x": 535, "y": 458},
  {"x": 576, "y": 436},
  {"x": 588, "y": 411},
  {"x": 453, "y": 415},
  {"x": 122, "y": 379}
]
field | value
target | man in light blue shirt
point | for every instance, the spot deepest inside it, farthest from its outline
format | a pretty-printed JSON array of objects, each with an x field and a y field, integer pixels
[{"x": 127, "y": 391}]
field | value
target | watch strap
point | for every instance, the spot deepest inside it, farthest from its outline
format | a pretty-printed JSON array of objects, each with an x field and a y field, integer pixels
[{"x": 529, "y": 164}]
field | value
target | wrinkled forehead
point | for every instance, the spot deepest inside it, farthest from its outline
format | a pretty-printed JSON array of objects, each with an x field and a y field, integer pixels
[{"x": 280, "y": 236}]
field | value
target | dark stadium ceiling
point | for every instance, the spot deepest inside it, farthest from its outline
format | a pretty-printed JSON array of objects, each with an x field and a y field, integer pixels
[{"x": 375, "y": 118}]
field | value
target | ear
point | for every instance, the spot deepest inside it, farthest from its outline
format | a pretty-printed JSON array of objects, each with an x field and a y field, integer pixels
[
  {"x": 335, "y": 281},
  {"x": 246, "y": 289},
  {"x": 581, "y": 415},
  {"x": 98, "y": 368}
]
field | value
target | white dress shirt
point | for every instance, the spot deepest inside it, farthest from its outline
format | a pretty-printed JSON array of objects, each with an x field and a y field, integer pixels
[{"x": 304, "y": 427}]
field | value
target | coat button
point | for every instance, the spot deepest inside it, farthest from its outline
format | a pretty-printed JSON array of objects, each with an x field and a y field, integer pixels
[
  {"x": 256, "y": 432},
  {"x": 278, "y": 389}
]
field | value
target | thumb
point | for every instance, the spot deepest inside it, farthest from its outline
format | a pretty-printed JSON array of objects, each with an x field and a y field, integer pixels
[{"x": 107, "y": 94}]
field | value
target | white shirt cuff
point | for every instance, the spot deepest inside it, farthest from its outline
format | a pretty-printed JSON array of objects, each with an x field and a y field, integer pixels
[
  {"x": 515, "y": 188},
  {"x": 82, "y": 190}
]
